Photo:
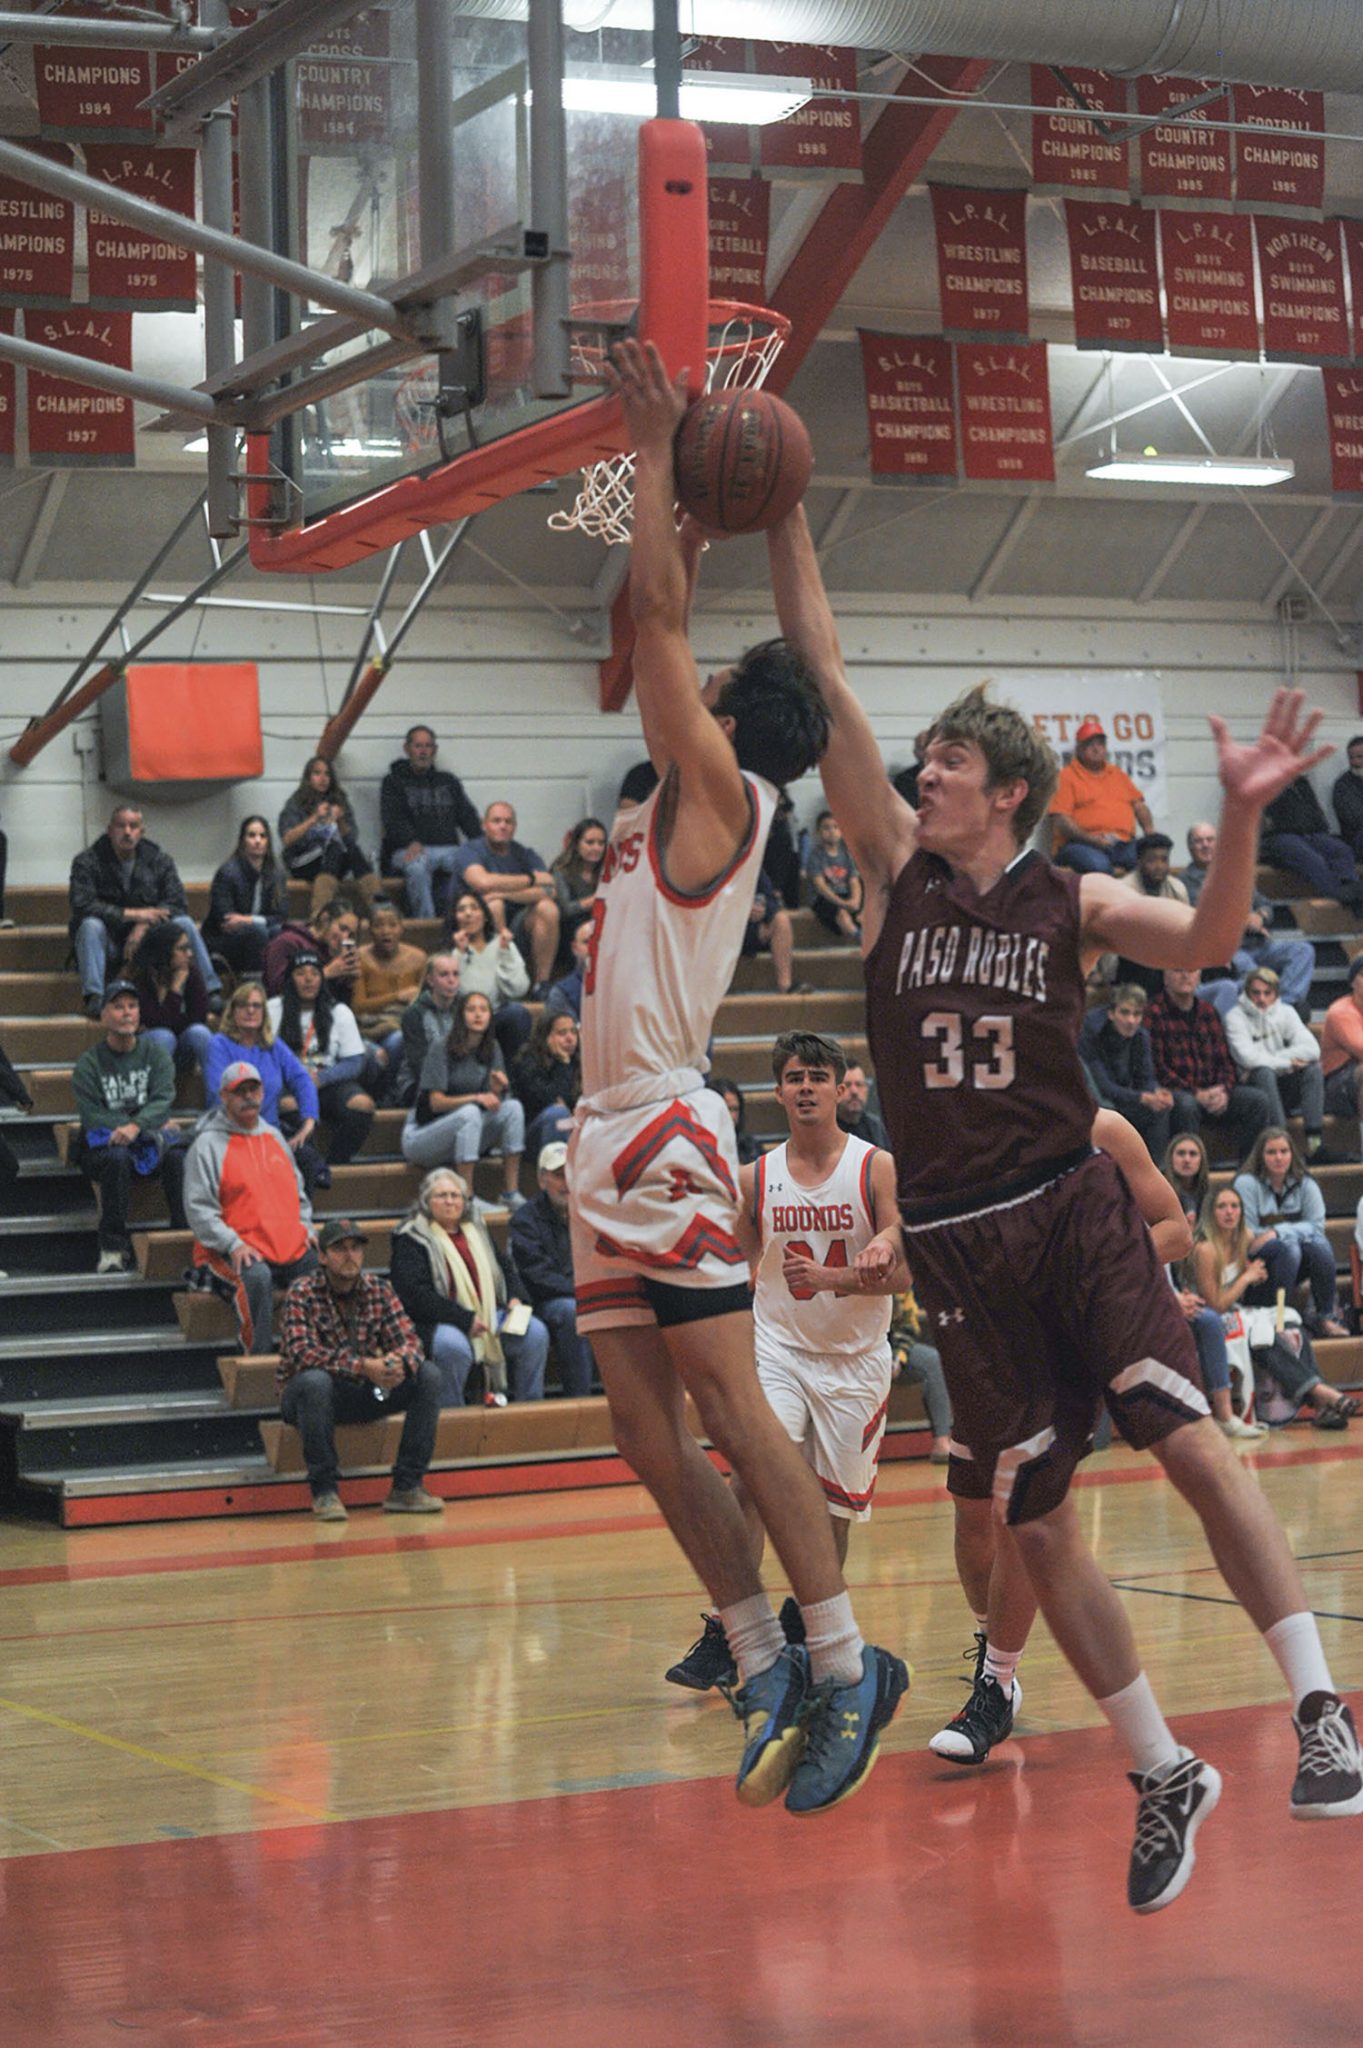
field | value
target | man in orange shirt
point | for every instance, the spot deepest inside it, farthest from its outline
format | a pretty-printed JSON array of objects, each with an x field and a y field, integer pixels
[
  {"x": 1097, "y": 808},
  {"x": 1341, "y": 1049}
]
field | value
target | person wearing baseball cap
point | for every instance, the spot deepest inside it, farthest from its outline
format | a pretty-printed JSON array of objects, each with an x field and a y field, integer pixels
[
  {"x": 542, "y": 1249},
  {"x": 1096, "y": 809},
  {"x": 124, "y": 1087}
]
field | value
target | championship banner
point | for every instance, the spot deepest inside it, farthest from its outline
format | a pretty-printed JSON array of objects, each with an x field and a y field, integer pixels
[
  {"x": 344, "y": 94},
  {"x": 1128, "y": 703},
  {"x": 1184, "y": 165},
  {"x": 7, "y": 386},
  {"x": 73, "y": 426},
  {"x": 981, "y": 262},
  {"x": 1279, "y": 173},
  {"x": 740, "y": 225},
  {"x": 1301, "y": 283},
  {"x": 1068, "y": 153},
  {"x": 1209, "y": 284},
  {"x": 37, "y": 240},
  {"x": 727, "y": 143},
  {"x": 92, "y": 95},
  {"x": 826, "y": 134},
  {"x": 129, "y": 270},
  {"x": 1344, "y": 422},
  {"x": 1005, "y": 400},
  {"x": 600, "y": 159},
  {"x": 1352, "y": 231},
  {"x": 910, "y": 408},
  {"x": 1114, "y": 274}
]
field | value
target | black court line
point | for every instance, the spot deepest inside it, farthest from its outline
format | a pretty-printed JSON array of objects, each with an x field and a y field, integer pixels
[{"x": 1219, "y": 1599}]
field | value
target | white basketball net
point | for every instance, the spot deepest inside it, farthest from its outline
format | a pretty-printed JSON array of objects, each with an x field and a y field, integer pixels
[{"x": 744, "y": 343}]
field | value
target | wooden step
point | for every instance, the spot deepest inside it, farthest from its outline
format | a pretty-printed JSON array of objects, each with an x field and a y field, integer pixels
[
  {"x": 462, "y": 1433},
  {"x": 48, "y": 1039},
  {"x": 165, "y": 1254},
  {"x": 826, "y": 967},
  {"x": 1339, "y": 1359},
  {"x": 31, "y": 949},
  {"x": 748, "y": 1060},
  {"x": 834, "y": 1011}
]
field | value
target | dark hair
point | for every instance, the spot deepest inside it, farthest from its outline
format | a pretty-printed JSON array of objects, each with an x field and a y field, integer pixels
[
  {"x": 307, "y": 796},
  {"x": 460, "y": 1043},
  {"x": 149, "y": 968},
  {"x": 291, "y": 1008},
  {"x": 1013, "y": 748},
  {"x": 747, "y": 1146},
  {"x": 1298, "y": 1170},
  {"x": 1200, "y": 1179},
  {"x": 822, "y": 815},
  {"x": 268, "y": 865},
  {"x": 781, "y": 723},
  {"x": 570, "y": 863},
  {"x": 1154, "y": 842},
  {"x": 1356, "y": 741},
  {"x": 811, "y": 1049},
  {"x": 413, "y": 730},
  {"x": 537, "y": 1053},
  {"x": 451, "y": 927}
]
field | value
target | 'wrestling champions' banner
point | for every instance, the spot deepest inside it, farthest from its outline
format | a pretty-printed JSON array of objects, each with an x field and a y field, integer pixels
[
  {"x": 1344, "y": 418},
  {"x": 73, "y": 426},
  {"x": 981, "y": 263},
  {"x": 1005, "y": 401},
  {"x": 37, "y": 240}
]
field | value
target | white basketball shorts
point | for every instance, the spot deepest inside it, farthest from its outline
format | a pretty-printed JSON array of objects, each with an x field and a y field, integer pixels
[{"x": 834, "y": 1409}]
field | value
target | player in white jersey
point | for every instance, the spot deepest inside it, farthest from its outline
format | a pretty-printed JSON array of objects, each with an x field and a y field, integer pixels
[
  {"x": 814, "y": 1210},
  {"x": 653, "y": 1171}
]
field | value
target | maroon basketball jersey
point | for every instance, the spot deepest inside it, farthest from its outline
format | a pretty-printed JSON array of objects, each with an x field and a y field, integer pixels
[{"x": 973, "y": 1008}]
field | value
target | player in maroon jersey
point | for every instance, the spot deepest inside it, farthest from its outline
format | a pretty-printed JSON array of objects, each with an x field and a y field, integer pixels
[{"x": 1029, "y": 1254}]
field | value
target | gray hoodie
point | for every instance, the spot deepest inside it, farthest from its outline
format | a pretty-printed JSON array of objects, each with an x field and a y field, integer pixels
[{"x": 270, "y": 1209}]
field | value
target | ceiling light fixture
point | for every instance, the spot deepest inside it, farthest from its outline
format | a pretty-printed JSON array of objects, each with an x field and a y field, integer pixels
[
  {"x": 1241, "y": 472},
  {"x": 736, "y": 96}
]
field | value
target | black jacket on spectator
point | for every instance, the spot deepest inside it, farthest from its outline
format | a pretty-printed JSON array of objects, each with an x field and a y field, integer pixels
[
  {"x": 433, "y": 808},
  {"x": 1296, "y": 810},
  {"x": 538, "y": 1088},
  {"x": 542, "y": 1249},
  {"x": 1123, "y": 1067},
  {"x": 409, "y": 1269},
  {"x": 866, "y": 1125},
  {"x": 233, "y": 892},
  {"x": 1347, "y": 798},
  {"x": 98, "y": 889}
]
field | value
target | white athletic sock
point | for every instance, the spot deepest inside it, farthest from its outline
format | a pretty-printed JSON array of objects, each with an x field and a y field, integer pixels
[
  {"x": 1134, "y": 1713},
  {"x": 1001, "y": 1665},
  {"x": 833, "y": 1640},
  {"x": 1295, "y": 1642},
  {"x": 754, "y": 1633}
]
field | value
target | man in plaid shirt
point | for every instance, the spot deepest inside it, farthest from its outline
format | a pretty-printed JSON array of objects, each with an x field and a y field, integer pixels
[
  {"x": 349, "y": 1354},
  {"x": 1192, "y": 1059}
]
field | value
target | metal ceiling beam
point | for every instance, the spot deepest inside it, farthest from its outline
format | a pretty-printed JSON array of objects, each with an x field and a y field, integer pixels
[
  {"x": 837, "y": 523},
  {"x": 1173, "y": 553},
  {"x": 55, "y": 362},
  {"x": 251, "y": 54},
  {"x": 1343, "y": 555},
  {"x": 102, "y": 33},
  {"x": 1291, "y": 574}
]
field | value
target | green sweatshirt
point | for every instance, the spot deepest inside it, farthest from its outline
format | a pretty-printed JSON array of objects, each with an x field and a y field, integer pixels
[{"x": 113, "y": 1088}]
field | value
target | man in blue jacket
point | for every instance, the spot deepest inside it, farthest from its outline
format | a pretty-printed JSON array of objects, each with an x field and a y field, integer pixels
[{"x": 542, "y": 1249}]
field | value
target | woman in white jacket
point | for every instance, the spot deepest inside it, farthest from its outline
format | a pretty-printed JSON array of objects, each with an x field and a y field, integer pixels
[{"x": 1276, "y": 1052}]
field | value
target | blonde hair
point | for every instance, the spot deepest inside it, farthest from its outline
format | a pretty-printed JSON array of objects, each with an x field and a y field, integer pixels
[
  {"x": 246, "y": 988},
  {"x": 1235, "y": 1251}
]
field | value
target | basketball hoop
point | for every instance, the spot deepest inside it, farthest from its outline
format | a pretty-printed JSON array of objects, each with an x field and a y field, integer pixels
[
  {"x": 744, "y": 342},
  {"x": 414, "y": 407}
]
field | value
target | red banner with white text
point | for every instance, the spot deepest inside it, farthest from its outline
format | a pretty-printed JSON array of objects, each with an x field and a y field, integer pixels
[
  {"x": 74, "y": 426},
  {"x": 825, "y": 135},
  {"x": 981, "y": 262},
  {"x": 740, "y": 227},
  {"x": 130, "y": 270},
  {"x": 1344, "y": 417},
  {"x": 1209, "y": 284},
  {"x": 728, "y": 144},
  {"x": 1005, "y": 401},
  {"x": 1184, "y": 164},
  {"x": 910, "y": 407},
  {"x": 89, "y": 95},
  {"x": 7, "y": 384},
  {"x": 37, "y": 240},
  {"x": 345, "y": 87},
  {"x": 1352, "y": 231},
  {"x": 1114, "y": 273},
  {"x": 1301, "y": 285},
  {"x": 1277, "y": 172},
  {"x": 1068, "y": 152}
]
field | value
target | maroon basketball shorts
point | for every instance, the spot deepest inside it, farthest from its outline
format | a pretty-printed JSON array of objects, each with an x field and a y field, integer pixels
[{"x": 1042, "y": 1307}]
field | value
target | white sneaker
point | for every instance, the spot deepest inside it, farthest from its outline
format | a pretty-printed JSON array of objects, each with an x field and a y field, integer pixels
[
  {"x": 1240, "y": 1431},
  {"x": 111, "y": 1262}
]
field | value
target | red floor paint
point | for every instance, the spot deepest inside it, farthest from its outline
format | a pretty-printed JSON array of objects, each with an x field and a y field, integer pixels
[{"x": 938, "y": 1907}]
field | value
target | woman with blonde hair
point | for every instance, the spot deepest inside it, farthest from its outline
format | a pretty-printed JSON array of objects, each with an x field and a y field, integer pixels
[
  {"x": 464, "y": 1298},
  {"x": 290, "y": 1094}
]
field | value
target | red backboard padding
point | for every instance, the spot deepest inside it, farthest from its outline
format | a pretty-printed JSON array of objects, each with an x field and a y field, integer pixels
[{"x": 193, "y": 721}]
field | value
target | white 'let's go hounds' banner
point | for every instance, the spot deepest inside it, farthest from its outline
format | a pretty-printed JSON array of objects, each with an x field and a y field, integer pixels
[{"x": 1127, "y": 702}]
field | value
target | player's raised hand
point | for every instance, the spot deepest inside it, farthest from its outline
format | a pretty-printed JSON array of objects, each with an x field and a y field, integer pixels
[
  {"x": 653, "y": 401},
  {"x": 1254, "y": 775}
]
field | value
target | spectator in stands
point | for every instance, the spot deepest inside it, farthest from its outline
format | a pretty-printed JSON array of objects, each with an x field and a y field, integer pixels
[
  {"x": 247, "y": 1206},
  {"x": 1115, "y": 1048},
  {"x": 172, "y": 999},
  {"x": 1227, "y": 1273},
  {"x": 833, "y": 879},
  {"x": 323, "y": 1035},
  {"x": 247, "y": 904},
  {"x": 318, "y": 839},
  {"x": 1097, "y": 809},
  {"x": 1186, "y": 1169},
  {"x": 517, "y": 887},
  {"x": 542, "y": 1249},
  {"x": 119, "y": 885},
  {"x": 1347, "y": 798},
  {"x": 1297, "y": 836},
  {"x": 919, "y": 1364},
  {"x": 576, "y": 873},
  {"x": 565, "y": 995},
  {"x": 348, "y": 1353},
  {"x": 464, "y": 1299},
  {"x": 490, "y": 962},
  {"x": 1277, "y": 1054},
  {"x": 857, "y": 1114},
  {"x": 124, "y": 1087},
  {"x": 426, "y": 816},
  {"x": 247, "y": 1033},
  {"x": 463, "y": 1107},
  {"x": 1193, "y": 1059},
  {"x": 547, "y": 1076},
  {"x": 781, "y": 856},
  {"x": 769, "y": 930},
  {"x": 748, "y": 1147},
  {"x": 1285, "y": 1212},
  {"x": 388, "y": 980},
  {"x": 638, "y": 783},
  {"x": 1293, "y": 959},
  {"x": 1341, "y": 1050},
  {"x": 426, "y": 1022},
  {"x": 334, "y": 935},
  {"x": 905, "y": 780},
  {"x": 1151, "y": 877}
]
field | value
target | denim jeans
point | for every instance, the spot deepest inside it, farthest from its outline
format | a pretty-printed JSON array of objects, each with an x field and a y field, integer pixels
[
  {"x": 1097, "y": 860},
  {"x": 1210, "y": 1338},
  {"x": 110, "y": 1169},
  {"x": 420, "y": 873},
  {"x": 316, "y": 1400},
  {"x": 1324, "y": 863},
  {"x": 1290, "y": 1259},
  {"x": 1302, "y": 1088},
  {"x": 576, "y": 1365},
  {"x": 463, "y": 1135},
  {"x": 97, "y": 952},
  {"x": 527, "y": 1356},
  {"x": 187, "y": 1051}
]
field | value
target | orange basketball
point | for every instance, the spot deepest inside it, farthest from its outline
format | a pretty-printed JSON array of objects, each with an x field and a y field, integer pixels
[{"x": 743, "y": 461}]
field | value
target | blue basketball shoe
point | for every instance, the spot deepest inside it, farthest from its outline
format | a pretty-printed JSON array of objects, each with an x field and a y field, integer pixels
[
  {"x": 842, "y": 1731},
  {"x": 771, "y": 1707}
]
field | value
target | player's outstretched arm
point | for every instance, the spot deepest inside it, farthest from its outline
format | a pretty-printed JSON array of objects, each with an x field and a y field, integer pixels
[
  {"x": 1163, "y": 934},
  {"x": 1156, "y": 1200}
]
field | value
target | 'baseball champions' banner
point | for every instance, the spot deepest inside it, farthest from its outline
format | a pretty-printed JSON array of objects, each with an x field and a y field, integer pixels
[{"x": 1114, "y": 274}]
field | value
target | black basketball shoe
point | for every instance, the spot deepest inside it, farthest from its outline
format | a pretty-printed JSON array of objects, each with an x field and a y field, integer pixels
[
  {"x": 708, "y": 1662},
  {"x": 1329, "y": 1769},
  {"x": 1174, "y": 1803},
  {"x": 985, "y": 1720}
]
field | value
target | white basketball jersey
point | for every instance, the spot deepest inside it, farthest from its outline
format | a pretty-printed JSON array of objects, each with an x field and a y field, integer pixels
[
  {"x": 661, "y": 960},
  {"x": 829, "y": 1224}
]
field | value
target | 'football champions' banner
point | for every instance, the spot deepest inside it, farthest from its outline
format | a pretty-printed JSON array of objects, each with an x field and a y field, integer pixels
[
  {"x": 910, "y": 409},
  {"x": 1344, "y": 417},
  {"x": 1127, "y": 702},
  {"x": 1068, "y": 153},
  {"x": 1301, "y": 281},
  {"x": 981, "y": 262},
  {"x": 1184, "y": 165},
  {"x": 73, "y": 426},
  {"x": 1277, "y": 173},
  {"x": 1114, "y": 274},
  {"x": 1005, "y": 400},
  {"x": 740, "y": 223},
  {"x": 1209, "y": 284}
]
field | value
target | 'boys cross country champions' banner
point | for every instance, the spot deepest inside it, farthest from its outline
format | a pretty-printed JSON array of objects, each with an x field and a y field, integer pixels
[
  {"x": 1128, "y": 703},
  {"x": 1068, "y": 153}
]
